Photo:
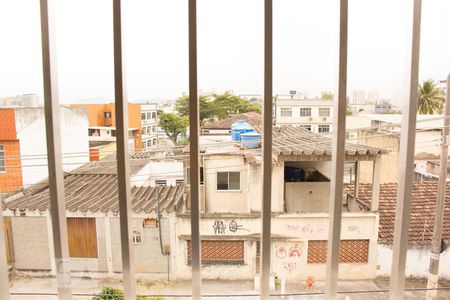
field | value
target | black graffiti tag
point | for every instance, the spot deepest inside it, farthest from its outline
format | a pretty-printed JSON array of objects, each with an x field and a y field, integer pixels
[{"x": 219, "y": 227}]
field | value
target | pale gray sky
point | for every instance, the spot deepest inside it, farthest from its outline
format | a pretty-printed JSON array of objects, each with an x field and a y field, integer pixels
[{"x": 230, "y": 42}]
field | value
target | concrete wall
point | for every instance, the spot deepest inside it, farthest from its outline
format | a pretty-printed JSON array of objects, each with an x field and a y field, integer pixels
[
  {"x": 225, "y": 201},
  {"x": 288, "y": 231},
  {"x": 31, "y": 243},
  {"x": 307, "y": 196},
  {"x": 169, "y": 170},
  {"x": 389, "y": 162},
  {"x": 30, "y": 125},
  {"x": 255, "y": 187},
  {"x": 417, "y": 261},
  {"x": 148, "y": 258},
  {"x": 31, "y": 240}
]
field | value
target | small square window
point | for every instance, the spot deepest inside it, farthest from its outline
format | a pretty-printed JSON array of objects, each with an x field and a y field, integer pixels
[
  {"x": 2, "y": 159},
  {"x": 228, "y": 181},
  {"x": 150, "y": 223},
  {"x": 143, "y": 116},
  {"x": 324, "y": 112},
  {"x": 137, "y": 237},
  {"x": 149, "y": 116}
]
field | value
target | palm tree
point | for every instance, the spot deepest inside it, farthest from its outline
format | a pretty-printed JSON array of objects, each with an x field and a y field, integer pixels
[{"x": 430, "y": 98}]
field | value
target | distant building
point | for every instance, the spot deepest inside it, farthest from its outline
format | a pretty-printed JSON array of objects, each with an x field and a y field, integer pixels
[
  {"x": 23, "y": 151},
  {"x": 314, "y": 115},
  {"x": 373, "y": 96},
  {"x": 359, "y": 97},
  {"x": 20, "y": 100},
  {"x": 253, "y": 98},
  {"x": 382, "y": 107},
  {"x": 142, "y": 123}
]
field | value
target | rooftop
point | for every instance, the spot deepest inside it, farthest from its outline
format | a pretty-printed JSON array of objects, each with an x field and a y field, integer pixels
[
  {"x": 252, "y": 118},
  {"x": 98, "y": 193},
  {"x": 423, "y": 204}
]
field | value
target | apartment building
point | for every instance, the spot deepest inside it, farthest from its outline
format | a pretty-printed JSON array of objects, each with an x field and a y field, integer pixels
[
  {"x": 311, "y": 114},
  {"x": 230, "y": 201},
  {"x": 23, "y": 151},
  {"x": 142, "y": 123}
]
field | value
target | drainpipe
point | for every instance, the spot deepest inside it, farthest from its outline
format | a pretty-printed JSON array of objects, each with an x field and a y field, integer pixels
[{"x": 159, "y": 231}]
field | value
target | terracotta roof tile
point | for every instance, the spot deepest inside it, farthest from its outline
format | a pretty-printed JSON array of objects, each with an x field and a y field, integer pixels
[{"x": 423, "y": 204}]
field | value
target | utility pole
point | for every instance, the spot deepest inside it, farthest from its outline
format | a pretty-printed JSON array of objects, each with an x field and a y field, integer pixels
[{"x": 433, "y": 274}]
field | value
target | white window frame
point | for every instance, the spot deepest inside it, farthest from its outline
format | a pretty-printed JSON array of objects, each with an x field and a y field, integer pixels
[
  {"x": 286, "y": 112},
  {"x": 2, "y": 159},
  {"x": 324, "y": 111},
  {"x": 304, "y": 110},
  {"x": 321, "y": 128},
  {"x": 307, "y": 127},
  {"x": 228, "y": 182}
]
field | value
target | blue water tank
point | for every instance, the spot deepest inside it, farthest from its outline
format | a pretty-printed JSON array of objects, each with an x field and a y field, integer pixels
[
  {"x": 251, "y": 139},
  {"x": 239, "y": 127}
]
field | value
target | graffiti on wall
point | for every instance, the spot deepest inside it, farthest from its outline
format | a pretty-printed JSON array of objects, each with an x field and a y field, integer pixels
[
  {"x": 307, "y": 228},
  {"x": 289, "y": 255},
  {"x": 220, "y": 227}
]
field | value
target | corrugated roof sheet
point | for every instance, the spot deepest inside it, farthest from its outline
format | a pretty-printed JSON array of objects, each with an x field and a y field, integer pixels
[
  {"x": 294, "y": 140},
  {"x": 99, "y": 193},
  {"x": 423, "y": 205}
]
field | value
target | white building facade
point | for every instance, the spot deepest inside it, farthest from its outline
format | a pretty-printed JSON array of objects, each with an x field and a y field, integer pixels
[
  {"x": 312, "y": 114},
  {"x": 149, "y": 119}
]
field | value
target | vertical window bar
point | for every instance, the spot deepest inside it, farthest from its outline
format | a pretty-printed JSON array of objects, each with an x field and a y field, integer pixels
[
  {"x": 338, "y": 157},
  {"x": 194, "y": 121},
  {"x": 267, "y": 152},
  {"x": 53, "y": 136},
  {"x": 406, "y": 163},
  {"x": 121, "y": 105},
  {"x": 4, "y": 282}
]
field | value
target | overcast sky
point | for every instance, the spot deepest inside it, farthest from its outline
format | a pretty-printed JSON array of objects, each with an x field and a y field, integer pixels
[{"x": 230, "y": 46}]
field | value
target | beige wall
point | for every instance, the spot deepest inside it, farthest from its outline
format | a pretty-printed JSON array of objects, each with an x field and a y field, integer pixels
[
  {"x": 307, "y": 196},
  {"x": 295, "y": 229},
  {"x": 389, "y": 162},
  {"x": 148, "y": 258},
  {"x": 31, "y": 244}
]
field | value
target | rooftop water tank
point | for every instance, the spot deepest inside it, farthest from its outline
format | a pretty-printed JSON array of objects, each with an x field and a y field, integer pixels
[
  {"x": 251, "y": 139},
  {"x": 239, "y": 127}
]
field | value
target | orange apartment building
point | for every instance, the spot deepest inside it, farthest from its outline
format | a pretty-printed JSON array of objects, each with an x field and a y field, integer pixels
[
  {"x": 142, "y": 123},
  {"x": 10, "y": 163}
]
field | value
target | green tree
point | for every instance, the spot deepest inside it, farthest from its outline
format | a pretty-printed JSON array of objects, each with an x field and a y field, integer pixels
[
  {"x": 173, "y": 125},
  {"x": 326, "y": 95},
  {"x": 430, "y": 98},
  {"x": 227, "y": 103},
  {"x": 206, "y": 107}
]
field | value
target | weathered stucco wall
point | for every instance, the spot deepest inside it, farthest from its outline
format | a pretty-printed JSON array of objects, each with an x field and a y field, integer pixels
[
  {"x": 148, "y": 258},
  {"x": 307, "y": 196},
  {"x": 288, "y": 231},
  {"x": 417, "y": 261},
  {"x": 30, "y": 125},
  {"x": 255, "y": 187},
  {"x": 225, "y": 201},
  {"x": 31, "y": 244}
]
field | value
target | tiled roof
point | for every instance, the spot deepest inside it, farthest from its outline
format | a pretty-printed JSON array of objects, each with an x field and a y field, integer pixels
[
  {"x": 99, "y": 193},
  {"x": 423, "y": 205},
  {"x": 293, "y": 140},
  {"x": 252, "y": 118}
]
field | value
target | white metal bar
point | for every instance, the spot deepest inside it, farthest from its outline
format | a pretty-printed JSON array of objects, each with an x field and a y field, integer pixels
[
  {"x": 194, "y": 121},
  {"x": 376, "y": 180},
  {"x": 406, "y": 161},
  {"x": 123, "y": 172},
  {"x": 433, "y": 275},
  {"x": 338, "y": 158},
  {"x": 4, "y": 276},
  {"x": 266, "y": 206},
  {"x": 53, "y": 136}
]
